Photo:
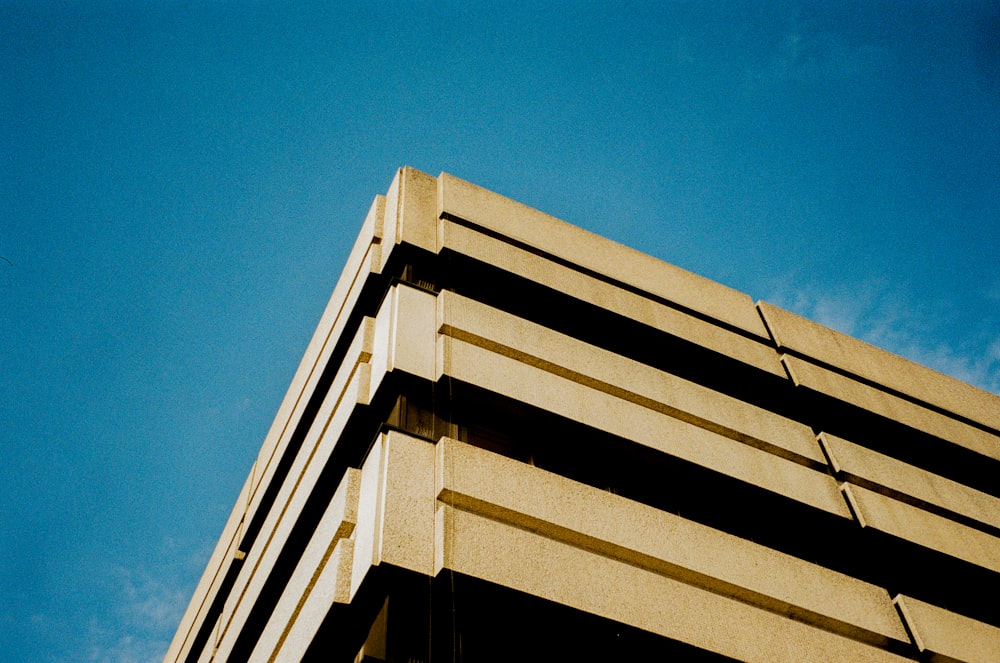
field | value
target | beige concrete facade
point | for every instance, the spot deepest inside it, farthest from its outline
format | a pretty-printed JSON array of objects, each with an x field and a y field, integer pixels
[{"x": 511, "y": 439}]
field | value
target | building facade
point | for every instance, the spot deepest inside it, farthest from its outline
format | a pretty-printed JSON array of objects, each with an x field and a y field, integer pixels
[{"x": 511, "y": 439}]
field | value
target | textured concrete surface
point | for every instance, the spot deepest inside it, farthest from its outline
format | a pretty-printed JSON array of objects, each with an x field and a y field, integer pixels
[
  {"x": 353, "y": 366},
  {"x": 653, "y": 429},
  {"x": 321, "y": 578},
  {"x": 825, "y": 381},
  {"x": 291, "y": 499},
  {"x": 751, "y": 350},
  {"x": 948, "y": 636},
  {"x": 521, "y": 223},
  {"x": 599, "y": 369},
  {"x": 407, "y": 536},
  {"x": 925, "y": 528},
  {"x": 892, "y": 477},
  {"x": 531, "y": 563},
  {"x": 827, "y": 346},
  {"x": 503, "y": 489},
  {"x": 306, "y": 377}
]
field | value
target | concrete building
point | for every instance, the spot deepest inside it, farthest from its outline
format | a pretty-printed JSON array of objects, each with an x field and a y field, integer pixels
[{"x": 510, "y": 439}]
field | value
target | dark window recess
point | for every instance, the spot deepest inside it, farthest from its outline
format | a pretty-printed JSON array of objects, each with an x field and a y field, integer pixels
[
  {"x": 360, "y": 434},
  {"x": 492, "y": 623},
  {"x": 583, "y": 454},
  {"x": 458, "y": 619},
  {"x": 902, "y": 442},
  {"x": 214, "y": 611},
  {"x": 420, "y": 273},
  {"x": 414, "y": 413},
  {"x": 617, "y": 333},
  {"x": 597, "y": 326}
]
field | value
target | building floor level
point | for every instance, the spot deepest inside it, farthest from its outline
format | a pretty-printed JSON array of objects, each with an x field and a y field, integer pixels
[{"x": 511, "y": 439}]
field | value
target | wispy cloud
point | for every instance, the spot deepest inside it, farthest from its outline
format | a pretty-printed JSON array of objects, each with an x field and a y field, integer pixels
[
  {"x": 139, "y": 627},
  {"x": 804, "y": 56},
  {"x": 145, "y": 606},
  {"x": 884, "y": 316},
  {"x": 993, "y": 291}
]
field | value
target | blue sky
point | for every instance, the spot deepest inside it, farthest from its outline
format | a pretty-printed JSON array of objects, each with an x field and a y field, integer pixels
[{"x": 180, "y": 183}]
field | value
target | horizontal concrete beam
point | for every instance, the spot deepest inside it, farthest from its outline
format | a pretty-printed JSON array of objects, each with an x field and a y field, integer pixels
[
  {"x": 321, "y": 578},
  {"x": 462, "y": 200},
  {"x": 464, "y": 508},
  {"x": 410, "y": 211},
  {"x": 359, "y": 352},
  {"x": 503, "y": 489},
  {"x": 317, "y": 356},
  {"x": 948, "y": 636},
  {"x": 880, "y": 473},
  {"x": 548, "y": 391},
  {"x": 824, "y": 345},
  {"x": 754, "y": 351},
  {"x": 226, "y": 550},
  {"x": 822, "y": 380},
  {"x": 291, "y": 499},
  {"x": 502, "y": 333},
  {"x": 332, "y": 586},
  {"x": 550, "y": 569},
  {"x": 924, "y": 528}
]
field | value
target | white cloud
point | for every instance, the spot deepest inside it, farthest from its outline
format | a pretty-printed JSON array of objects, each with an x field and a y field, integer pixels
[
  {"x": 139, "y": 626},
  {"x": 993, "y": 291},
  {"x": 884, "y": 316},
  {"x": 126, "y": 649},
  {"x": 806, "y": 56}
]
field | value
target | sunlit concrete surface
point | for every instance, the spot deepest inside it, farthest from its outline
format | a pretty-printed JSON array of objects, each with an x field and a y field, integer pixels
[{"x": 512, "y": 439}]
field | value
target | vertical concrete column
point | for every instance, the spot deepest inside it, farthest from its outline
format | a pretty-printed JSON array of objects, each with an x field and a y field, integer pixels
[
  {"x": 411, "y": 209},
  {"x": 405, "y": 334},
  {"x": 396, "y": 507}
]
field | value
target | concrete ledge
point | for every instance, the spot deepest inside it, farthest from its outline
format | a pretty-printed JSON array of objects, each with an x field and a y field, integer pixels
[
  {"x": 321, "y": 578},
  {"x": 589, "y": 543},
  {"x": 359, "y": 352},
  {"x": 396, "y": 507},
  {"x": 594, "y": 367},
  {"x": 822, "y": 380},
  {"x": 317, "y": 356},
  {"x": 405, "y": 330},
  {"x": 948, "y": 636},
  {"x": 408, "y": 504},
  {"x": 924, "y": 528},
  {"x": 208, "y": 586},
  {"x": 529, "y": 562},
  {"x": 410, "y": 212},
  {"x": 249, "y": 500},
  {"x": 913, "y": 485},
  {"x": 757, "y": 353},
  {"x": 503, "y": 489},
  {"x": 463, "y": 200},
  {"x": 529, "y": 384},
  {"x": 302, "y": 479},
  {"x": 332, "y": 586},
  {"x": 804, "y": 337}
]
